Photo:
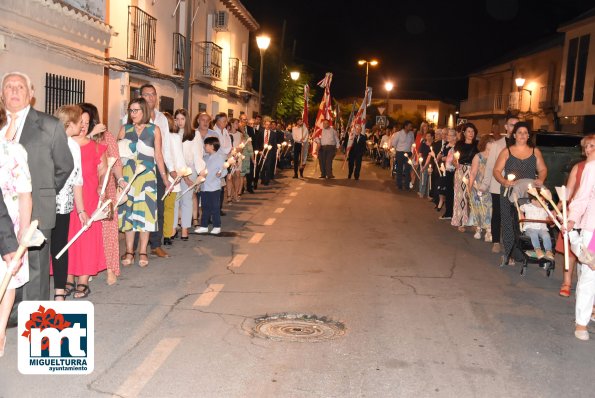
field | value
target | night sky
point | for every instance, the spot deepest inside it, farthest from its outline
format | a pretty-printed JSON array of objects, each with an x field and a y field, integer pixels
[{"x": 421, "y": 45}]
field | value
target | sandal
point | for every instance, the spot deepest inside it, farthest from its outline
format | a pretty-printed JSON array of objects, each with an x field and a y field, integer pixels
[
  {"x": 60, "y": 295},
  {"x": 195, "y": 222},
  {"x": 68, "y": 291},
  {"x": 85, "y": 292},
  {"x": 127, "y": 261},
  {"x": 143, "y": 263},
  {"x": 564, "y": 290}
]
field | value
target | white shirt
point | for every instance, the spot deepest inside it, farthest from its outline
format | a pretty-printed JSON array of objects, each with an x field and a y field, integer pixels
[
  {"x": 533, "y": 212},
  {"x": 65, "y": 198},
  {"x": 329, "y": 137},
  {"x": 224, "y": 140},
  {"x": 402, "y": 141},
  {"x": 21, "y": 116},
  {"x": 299, "y": 134},
  {"x": 237, "y": 138},
  {"x": 193, "y": 153}
]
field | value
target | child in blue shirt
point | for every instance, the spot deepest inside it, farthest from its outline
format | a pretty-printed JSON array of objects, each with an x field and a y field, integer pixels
[{"x": 211, "y": 188}]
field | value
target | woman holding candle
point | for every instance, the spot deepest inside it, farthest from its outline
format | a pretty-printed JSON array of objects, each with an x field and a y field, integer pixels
[
  {"x": 481, "y": 202},
  {"x": 424, "y": 161},
  {"x": 446, "y": 184},
  {"x": 572, "y": 186},
  {"x": 192, "y": 146},
  {"x": 522, "y": 160},
  {"x": 86, "y": 256},
  {"x": 99, "y": 134},
  {"x": 176, "y": 164},
  {"x": 234, "y": 180},
  {"x": 139, "y": 212},
  {"x": 464, "y": 151}
]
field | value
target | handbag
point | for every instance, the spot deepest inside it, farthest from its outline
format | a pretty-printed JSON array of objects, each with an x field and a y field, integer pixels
[{"x": 581, "y": 251}]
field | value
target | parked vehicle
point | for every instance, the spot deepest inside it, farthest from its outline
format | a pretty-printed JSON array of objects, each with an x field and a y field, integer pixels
[{"x": 560, "y": 152}]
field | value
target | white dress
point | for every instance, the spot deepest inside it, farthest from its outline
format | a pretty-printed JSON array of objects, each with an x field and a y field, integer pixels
[{"x": 14, "y": 179}]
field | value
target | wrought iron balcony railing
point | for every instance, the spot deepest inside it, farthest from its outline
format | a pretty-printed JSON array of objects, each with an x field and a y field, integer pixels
[
  {"x": 142, "y": 34},
  {"x": 490, "y": 104},
  {"x": 178, "y": 55},
  {"x": 246, "y": 77},
  {"x": 208, "y": 60},
  {"x": 234, "y": 73}
]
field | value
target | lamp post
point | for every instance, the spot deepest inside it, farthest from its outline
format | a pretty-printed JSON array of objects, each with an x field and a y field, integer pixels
[
  {"x": 295, "y": 75},
  {"x": 262, "y": 42},
  {"x": 372, "y": 62},
  {"x": 388, "y": 86},
  {"x": 520, "y": 82}
]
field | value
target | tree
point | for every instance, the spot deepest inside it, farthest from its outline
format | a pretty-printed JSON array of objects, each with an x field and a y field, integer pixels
[{"x": 290, "y": 103}]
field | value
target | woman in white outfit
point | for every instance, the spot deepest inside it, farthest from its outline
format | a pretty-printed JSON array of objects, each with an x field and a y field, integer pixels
[
  {"x": 582, "y": 216},
  {"x": 192, "y": 146}
]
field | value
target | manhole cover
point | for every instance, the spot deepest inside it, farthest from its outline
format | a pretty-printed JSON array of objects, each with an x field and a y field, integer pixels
[{"x": 298, "y": 327}]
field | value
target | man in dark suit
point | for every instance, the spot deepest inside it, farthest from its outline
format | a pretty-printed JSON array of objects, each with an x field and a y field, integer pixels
[
  {"x": 358, "y": 148},
  {"x": 50, "y": 164},
  {"x": 258, "y": 145},
  {"x": 267, "y": 164}
]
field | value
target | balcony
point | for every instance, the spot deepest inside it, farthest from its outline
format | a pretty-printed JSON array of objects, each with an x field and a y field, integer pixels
[
  {"x": 142, "y": 33},
  {"x": 208, "y": 57},
  {"x": 234, "y": 73},
  {"x": 178, "y": 54},
  {"x": 486, "y": 105},
  {"x": 246, "y": 78},
  {"x": 548, "y": 98}
]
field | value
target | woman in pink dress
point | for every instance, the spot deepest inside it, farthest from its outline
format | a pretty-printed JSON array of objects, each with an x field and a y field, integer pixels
[
  {"x": 100, "y": 135},
  {"x": 86, "y": 256}
]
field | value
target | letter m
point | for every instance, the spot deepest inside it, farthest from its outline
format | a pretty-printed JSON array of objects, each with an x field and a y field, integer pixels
[{"x": 55, "y": 337}]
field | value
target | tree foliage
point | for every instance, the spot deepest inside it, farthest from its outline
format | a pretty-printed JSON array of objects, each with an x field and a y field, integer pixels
[{"x": 290, "y": 103}]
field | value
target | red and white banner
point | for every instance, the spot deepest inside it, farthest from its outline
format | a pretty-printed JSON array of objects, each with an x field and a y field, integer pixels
[
  {"x": 359, "y": 118},
  {"x": 324, "y": 110}
]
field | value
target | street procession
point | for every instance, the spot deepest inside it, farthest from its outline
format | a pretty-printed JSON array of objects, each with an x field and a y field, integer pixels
[{"x": 213, "y": 198}]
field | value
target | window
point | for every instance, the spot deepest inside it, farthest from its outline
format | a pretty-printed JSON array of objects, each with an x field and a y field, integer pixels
[
  {"x": 581, "y": 67},
  {"x": 142, "y": 34},
  {"x": 202, "y": 107},
  {"x": 62, "y": 90},
  {"x": 230, "y": 113},
  {"x": 570, "y": 67}
]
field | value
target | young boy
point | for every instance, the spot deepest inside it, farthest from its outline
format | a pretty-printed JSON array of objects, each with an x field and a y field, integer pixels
[
  {"x": 534, "y": 211},
  {"x": 211, "y": 189}
]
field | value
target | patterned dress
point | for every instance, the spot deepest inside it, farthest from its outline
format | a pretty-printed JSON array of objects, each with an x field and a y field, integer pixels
[
  {"x": 14, "y": 179},
  {"x": 460, "y": 217},
  {"x": 86, "y": 256},
  {"x": 481, "y": 202},
  {"x": 521, "y": 168},
  {"x": 110, "y": 226},
  {"x": 139, "y": 212}
]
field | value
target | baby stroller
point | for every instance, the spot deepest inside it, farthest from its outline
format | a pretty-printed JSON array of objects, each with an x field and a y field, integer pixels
[{"x": 522, "y": 246}]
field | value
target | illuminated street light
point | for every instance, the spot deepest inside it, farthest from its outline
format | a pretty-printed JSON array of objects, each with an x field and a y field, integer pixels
[
  {"x": 388, "y": 86},
  {"x": 372, "y": 62},
  {"x": 263, "y": 43},
  {"x": 520, "y": 82},
  {"x": 294, "y": 75}
]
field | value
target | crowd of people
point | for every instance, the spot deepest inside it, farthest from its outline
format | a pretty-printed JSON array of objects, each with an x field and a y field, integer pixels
[
  {"x": 162, "y": 177},
  {"x": 158, "y": 178},
  {"x": 477, "y": 182}
]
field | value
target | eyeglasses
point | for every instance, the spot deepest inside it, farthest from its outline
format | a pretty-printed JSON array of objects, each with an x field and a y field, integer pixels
[
  {"x": 134, "y": 111},
  {"x": 150, "y": 95}
]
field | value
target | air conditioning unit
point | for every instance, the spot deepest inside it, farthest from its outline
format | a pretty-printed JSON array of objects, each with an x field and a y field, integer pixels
[{"x": 221, "y": 20}]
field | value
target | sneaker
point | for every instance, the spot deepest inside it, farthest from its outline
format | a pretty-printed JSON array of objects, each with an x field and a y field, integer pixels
[
  {"x": 445, "y": 218},
  {"x": 201, "y": 230},
  {"x": 477, "y": 234},
  {"x": 581, "y": 335},
  {"x": 215, "y": 231},
  {"x": 488, "y": 236},
  {"x": 496, "y": 248}
]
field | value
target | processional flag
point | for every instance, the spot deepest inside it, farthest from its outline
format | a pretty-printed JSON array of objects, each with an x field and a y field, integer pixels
[
  {"x": 359, "y": 118},
  {"x": 306, "y": 95},
  {"x": 324, "y": 110}
]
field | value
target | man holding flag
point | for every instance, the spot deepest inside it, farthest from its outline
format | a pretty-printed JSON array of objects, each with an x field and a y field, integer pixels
[
  {"x": 358, "y": 148},
  {"x": 329, "y": 143},
  {"x": 358, "y": 120},
  {"x": 324, "y": 113}
]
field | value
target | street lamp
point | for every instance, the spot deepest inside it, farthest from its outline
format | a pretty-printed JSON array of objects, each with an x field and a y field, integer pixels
[
  {"x": 372, "y": 62},
  {"x": 262, "y": 42},
  {"x": 388, "y": 86},
  {"x": 294, "y": 75},
  {"x": 520, "y": 82}
]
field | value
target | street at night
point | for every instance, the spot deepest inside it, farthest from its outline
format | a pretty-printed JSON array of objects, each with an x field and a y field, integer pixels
[{"x": 427, "y": 312}]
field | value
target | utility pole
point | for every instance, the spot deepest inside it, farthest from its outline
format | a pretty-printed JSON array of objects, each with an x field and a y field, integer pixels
[{"x": 188, "y": 48}]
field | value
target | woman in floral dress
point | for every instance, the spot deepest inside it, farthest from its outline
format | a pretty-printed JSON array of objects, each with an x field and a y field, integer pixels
[{"x": 481, "y": 200}]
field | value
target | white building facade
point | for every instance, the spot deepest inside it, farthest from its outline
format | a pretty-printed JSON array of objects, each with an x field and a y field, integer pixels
[{"x": 102, "y": 51}]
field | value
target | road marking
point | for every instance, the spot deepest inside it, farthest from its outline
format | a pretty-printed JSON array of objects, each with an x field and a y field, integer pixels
[
  {"x": 298, "y": 188},
  {"x": 209, "y": 294},
  {"x": 257, "y": 237},
  {"x": 270, "y": 221},
  {"x": 238, "y": 260},
  {"x": 279, "y": 210},
  {"x": 287, "y": 201},
  {"x": 293, "y": 194},
  {"x": 198, "y": 250},
  {"x": 137, "y": 380}
]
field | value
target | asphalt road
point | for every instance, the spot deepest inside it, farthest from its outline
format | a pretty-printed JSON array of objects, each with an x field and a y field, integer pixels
[{"x": 425, "y": 309}]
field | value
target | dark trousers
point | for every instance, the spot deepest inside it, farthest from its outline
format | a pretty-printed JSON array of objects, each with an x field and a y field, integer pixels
[
  {"x": 325, "y": 157},
  {"x": 210, "y": 208},
  {"x": 496, "y": 218},
  {"x": 266, "y": 170},
  {"x": 38, "y": 287},
  {"x": 450, "y": 193},
  {"x": 58, "y": 241},
  {"x": 403, "y": 170},
  {"x": 355, "y": 165},
  {"x": 297, "y": 157}
]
